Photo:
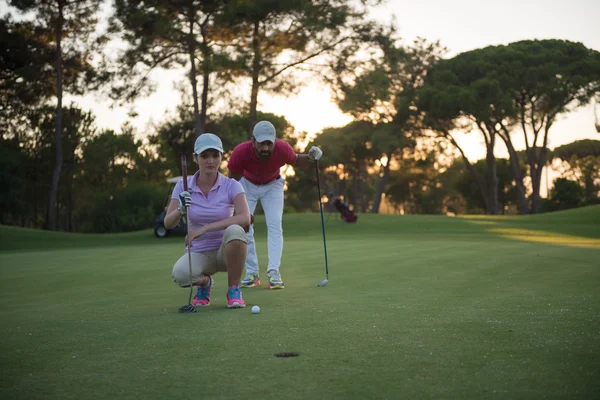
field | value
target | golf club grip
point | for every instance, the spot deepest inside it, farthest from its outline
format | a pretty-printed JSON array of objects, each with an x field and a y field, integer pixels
[{"x": 184, "y": 172}]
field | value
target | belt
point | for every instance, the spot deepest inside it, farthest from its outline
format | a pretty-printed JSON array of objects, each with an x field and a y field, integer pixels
[{"x": 264, "y": 183}]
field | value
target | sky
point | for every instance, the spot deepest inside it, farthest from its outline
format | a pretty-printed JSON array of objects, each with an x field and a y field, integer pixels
[{"x": 459, "y": 25}]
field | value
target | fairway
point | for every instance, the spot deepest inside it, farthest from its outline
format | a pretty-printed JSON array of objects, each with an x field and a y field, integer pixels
[{"x": 416, "y": 307}]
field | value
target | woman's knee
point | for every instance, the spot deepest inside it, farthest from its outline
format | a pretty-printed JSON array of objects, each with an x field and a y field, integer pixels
[
  {"x": 181, "y": 275},
  {"x": 180, "y": 278},
  {"x": 235, "y": 233}
]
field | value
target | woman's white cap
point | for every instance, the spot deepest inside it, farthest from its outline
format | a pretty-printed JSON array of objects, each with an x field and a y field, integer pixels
[{"x": 208, "y": 141}]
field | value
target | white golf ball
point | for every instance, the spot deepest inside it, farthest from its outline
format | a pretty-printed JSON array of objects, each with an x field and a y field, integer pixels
[{"x": 255, "y": 309}]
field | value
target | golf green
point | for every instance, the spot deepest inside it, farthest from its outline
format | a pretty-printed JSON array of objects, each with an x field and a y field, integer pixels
[{"x": 416, "y": 307}]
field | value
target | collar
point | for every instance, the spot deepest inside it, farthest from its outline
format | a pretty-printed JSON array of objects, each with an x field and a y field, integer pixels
[{"x": 193, "y": 186}]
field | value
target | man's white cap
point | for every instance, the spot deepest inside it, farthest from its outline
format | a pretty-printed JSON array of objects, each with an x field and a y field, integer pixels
[
  {"x": 264, "y": 131},
  {"x": 208, "y": 141}
]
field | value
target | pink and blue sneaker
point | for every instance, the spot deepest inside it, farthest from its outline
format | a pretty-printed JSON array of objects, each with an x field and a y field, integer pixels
[
  {"x": 202, "y": 297},
  {"x": 234, "y": 297}
]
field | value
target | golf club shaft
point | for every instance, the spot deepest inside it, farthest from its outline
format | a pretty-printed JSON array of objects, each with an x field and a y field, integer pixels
[
  {"x": 187, "y": 224},
  {"x": 322, "y": 221}
]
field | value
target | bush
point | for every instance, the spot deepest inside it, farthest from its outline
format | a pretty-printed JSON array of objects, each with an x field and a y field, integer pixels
[
  {"x": 130, "y": 209},
  {"x": 12, "y": 182},
  {"x": 546, "y": 205},
  {"x": 566, "y": 194}
]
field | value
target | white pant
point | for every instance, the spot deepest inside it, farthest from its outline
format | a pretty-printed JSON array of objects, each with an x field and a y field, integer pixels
[{"x": 271, "y": 199}]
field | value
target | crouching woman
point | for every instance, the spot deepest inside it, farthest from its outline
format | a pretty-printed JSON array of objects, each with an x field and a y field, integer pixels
[{"x": 219, "y": 218}]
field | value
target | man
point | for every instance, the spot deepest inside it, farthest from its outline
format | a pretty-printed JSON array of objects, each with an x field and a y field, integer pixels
[{"x": 256, "y": 164}]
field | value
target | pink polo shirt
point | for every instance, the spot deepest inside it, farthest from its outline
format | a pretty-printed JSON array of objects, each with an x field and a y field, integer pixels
[
  {"x": 244, "y": 161},
  {"x": 217, "y": 206}
]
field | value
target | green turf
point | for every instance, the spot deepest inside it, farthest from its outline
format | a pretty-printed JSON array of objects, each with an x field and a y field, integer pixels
[{"x": 417, "y": 307}]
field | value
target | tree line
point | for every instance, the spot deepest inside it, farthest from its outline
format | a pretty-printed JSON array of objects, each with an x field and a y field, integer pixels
[{"x": 61, "y": 172}]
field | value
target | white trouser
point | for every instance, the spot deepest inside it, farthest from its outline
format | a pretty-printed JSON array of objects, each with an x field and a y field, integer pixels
[{"x": 271, "y": 199}]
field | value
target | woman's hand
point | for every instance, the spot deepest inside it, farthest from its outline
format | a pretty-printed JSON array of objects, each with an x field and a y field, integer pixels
[
  {"x": 195, "y": 234},
  {"x": 185, "y": 200}
]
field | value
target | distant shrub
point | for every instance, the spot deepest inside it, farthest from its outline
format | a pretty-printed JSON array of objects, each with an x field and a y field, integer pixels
[
  {"x": 287, "y": 209},
  {"x": 130, "y": 209},
  {"x": 546, "y": 205},
  {"x": 12, "y": 182},
  {"x": 566, "y": 194}
]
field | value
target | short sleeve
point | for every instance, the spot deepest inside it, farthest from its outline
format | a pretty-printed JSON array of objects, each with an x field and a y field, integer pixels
[
  {"x": 177, "y": 189},
  {"x": 235, "y": 188},
  {"x": 289, "y": 153},
  {"x": 236, "y": 163}
]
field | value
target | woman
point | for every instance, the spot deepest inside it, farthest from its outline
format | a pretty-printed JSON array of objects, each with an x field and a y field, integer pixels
[{"x": 218, "y": 213}]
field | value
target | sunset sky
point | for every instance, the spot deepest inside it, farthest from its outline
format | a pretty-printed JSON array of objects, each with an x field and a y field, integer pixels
[{"x": 459, "y": 25}]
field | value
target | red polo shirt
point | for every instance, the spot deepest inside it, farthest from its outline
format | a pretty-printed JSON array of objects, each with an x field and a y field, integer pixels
[{"x": 244, "y": 161}]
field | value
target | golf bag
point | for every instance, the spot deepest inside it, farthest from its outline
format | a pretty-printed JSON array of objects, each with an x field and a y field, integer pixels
[{"x": 347, "y": 214}]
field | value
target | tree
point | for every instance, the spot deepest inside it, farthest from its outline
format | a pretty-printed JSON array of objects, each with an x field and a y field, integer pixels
[
  {"x": 67, "y": 27},
  {"x": 457, "y": 180},
  {"x": 25, "y": 81},
  {"x": 566, "y": 194},
  {"x": 548, "y": 78},
  {"x": 161, "y": 34},
  {"x": 582, "y": 161},
  {"x": 419, "y": 183},
  {"x": 277, "y": 37},
  {"x": 78, "y": 127},
  {"x": 121, "y": 182},
  {"x": 13, "y": 197},
  {"x": 459, "y": 94},
  {"x": 172, "y": 139},
  {"x": 383, "y": 91},
  {"x": 29, "y": 160},
  {"x": 522, "y": 85},
  {"x": 348, "y": 153},
  {"x": 415, "y": 185},
  {"x": 108, "y": 158}
]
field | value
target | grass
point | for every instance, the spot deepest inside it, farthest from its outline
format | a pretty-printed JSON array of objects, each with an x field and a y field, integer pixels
[{"x": 417, "y": 307}]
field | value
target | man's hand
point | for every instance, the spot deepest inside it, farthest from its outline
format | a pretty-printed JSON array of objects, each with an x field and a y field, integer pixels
[
  {"x": 185, "y": 200},
  {"x": 247, "y": 227},
  {"x": 315, "y": 153}
]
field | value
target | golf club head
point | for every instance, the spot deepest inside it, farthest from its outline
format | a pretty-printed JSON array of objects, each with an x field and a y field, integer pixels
[
  {"x": 323, "y": 282},
  {"x": 188, "y": 308}
]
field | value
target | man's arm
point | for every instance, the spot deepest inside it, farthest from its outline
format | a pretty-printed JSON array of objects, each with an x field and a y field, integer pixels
[
  {"x": 303, "y": 161},
  {"x": 236, "y": 163},
  {"x": 306, "y": 160}
]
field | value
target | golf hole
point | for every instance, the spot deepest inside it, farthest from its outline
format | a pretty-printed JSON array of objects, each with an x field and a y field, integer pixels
[{"x": 287, "y": 354}]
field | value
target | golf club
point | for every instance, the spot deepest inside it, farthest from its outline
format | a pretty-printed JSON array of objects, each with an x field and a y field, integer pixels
[
  {"x": 326, "y": 280},
  {"x": 189, "y": 307}
]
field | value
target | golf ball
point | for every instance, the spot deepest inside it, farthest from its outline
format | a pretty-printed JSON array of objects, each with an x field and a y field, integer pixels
[{"x": 255, "y": 309}]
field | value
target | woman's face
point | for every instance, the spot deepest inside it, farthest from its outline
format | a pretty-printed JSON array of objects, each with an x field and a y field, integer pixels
[{"x": 209, "y": 160}]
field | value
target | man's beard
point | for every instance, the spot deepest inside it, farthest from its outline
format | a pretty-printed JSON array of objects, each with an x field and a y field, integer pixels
[{"x": 263, "y": 155}]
